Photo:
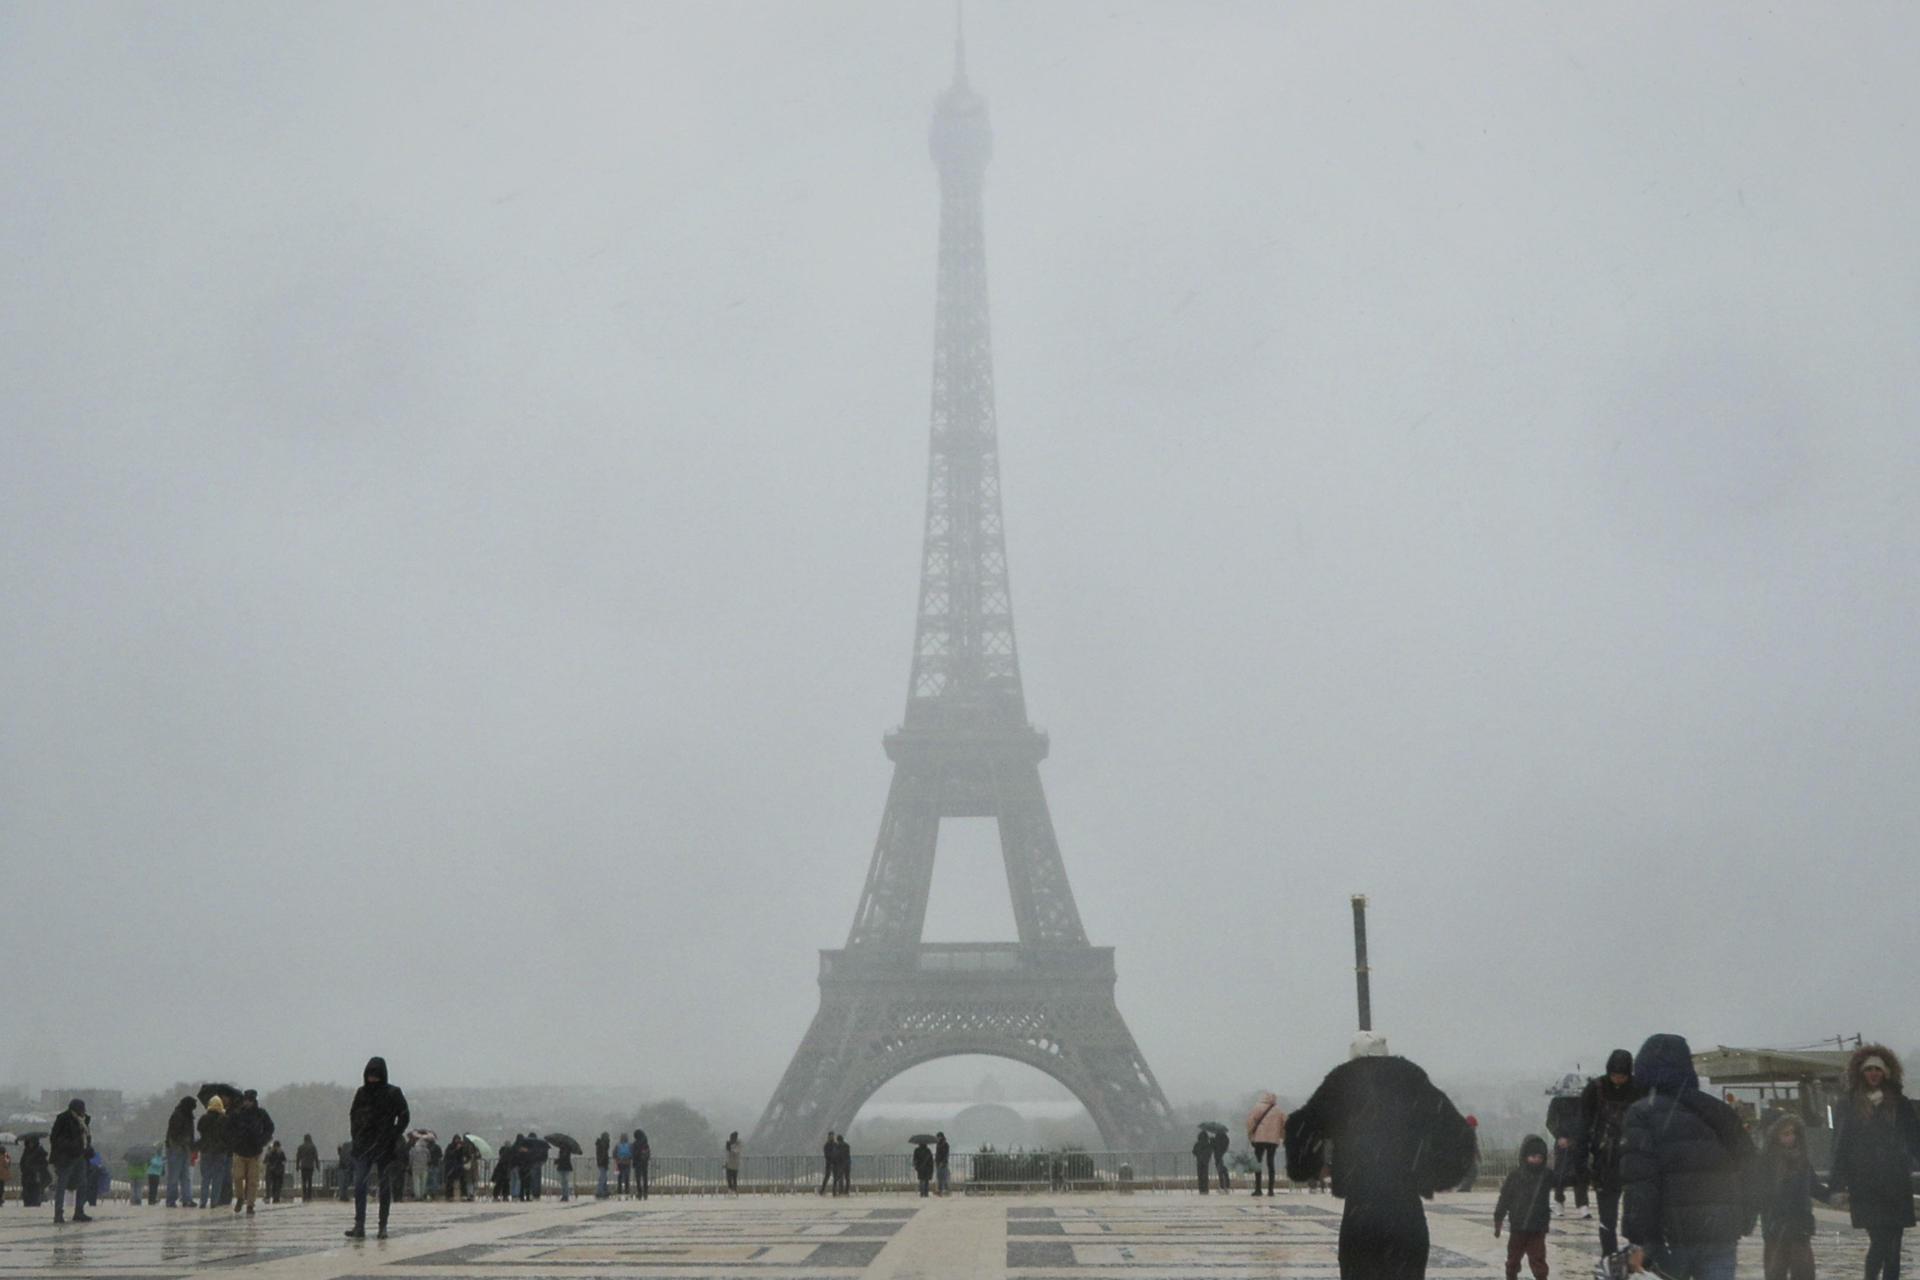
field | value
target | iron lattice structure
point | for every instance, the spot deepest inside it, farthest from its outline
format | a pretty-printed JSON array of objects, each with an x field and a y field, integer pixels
[{"x": 888, "y": 1001}]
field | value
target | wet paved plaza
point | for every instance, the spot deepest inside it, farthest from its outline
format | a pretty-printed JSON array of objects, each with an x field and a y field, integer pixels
[{"x": 1038, "y": 1237}]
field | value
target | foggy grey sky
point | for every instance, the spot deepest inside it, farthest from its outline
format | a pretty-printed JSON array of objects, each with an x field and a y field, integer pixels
[{"x": 461, "y": 474}]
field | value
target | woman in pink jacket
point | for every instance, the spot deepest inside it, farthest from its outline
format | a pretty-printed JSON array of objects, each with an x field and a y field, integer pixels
[{"x": 1265, "y": 1125}]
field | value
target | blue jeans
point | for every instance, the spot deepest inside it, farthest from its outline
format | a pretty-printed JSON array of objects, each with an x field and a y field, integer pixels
[
  {"x": 600, "y": 1187},
  {"x": 74, "y": 1175},
  {"x": 566, "y": 1184},
  {"x": 365, "y": 1168},
  {"x": 1700, "y": 1261},
  {"x": 942, "y": 1178},
  {"x": 213, "y": 1179}
]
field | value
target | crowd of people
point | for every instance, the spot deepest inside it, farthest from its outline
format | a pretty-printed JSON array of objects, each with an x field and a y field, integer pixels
[{"x": 1678, "y": 1176}]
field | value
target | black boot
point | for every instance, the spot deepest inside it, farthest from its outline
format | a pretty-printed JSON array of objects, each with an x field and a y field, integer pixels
[{"x": 358, "y": 1231}]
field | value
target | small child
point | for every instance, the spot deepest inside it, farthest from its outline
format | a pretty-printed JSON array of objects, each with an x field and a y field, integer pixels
[
  {"x": 1786, "y": 1201},
  {"x": 1524, "y": 1202}
]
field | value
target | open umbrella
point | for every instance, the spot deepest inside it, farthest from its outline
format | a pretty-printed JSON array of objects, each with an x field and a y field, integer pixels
[
  {"x": 30, "y": 1135},
  {"x": 565, "y": 1143},
  {"x": 142, "y": 1151},
  {"x": 228, "y": 1094},
  {"x": 480, "y": 1144},
  {"x": 1214, "y": 1126},
  {"x": 919, "y": 1138},
  {"x": 7, "y": 1137}
]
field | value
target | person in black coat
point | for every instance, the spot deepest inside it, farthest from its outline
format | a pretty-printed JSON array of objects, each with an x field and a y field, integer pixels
[
  {"x": 1876, "y": 1141},
  {"x": 378, "y": 1121},
  {"x": 1603, "y": 1112},
  {"x": 179, "y": 1142},
  {"x": 1786, "y": 1201},
  {"x": 249, "y": 1129},
  {"x": 1685, "y": 1167},
  {"x": 923, "y": 1166},
  {"x": 1395, "y": 1138},
  {"x": 67, "y": 1147},
  {"x": 1202, "y": 1157},
  {"x": 1563, "y": 1125},
  {"x": 1523, "y": 1201},
  {"x": 216, "y": 1154},
  {"x": 33, "y": 1172}
]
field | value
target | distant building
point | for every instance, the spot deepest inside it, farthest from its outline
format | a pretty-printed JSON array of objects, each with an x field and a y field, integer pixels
[{"x": 106, "y": 1106}]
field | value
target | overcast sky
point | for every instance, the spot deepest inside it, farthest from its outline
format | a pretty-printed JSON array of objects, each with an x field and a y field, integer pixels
[{"x": 461, "y": 478}]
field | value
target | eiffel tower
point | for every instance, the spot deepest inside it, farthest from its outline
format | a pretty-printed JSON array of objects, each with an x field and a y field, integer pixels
[{"x": 889, "y": 1001}]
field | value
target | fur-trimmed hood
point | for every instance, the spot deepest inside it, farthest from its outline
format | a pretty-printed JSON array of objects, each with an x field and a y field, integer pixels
[{"x": 1857, "y": 1083}]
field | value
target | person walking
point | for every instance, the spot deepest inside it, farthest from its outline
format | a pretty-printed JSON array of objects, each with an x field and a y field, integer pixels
[
  {"x": 602, "y": 1158},
  {"x": 1603, "y": 1112},
  {"x": 1564, "y": 1124},
  {"x": 829, "y": 1157},
  {"x": 733, "y": 1163},
  {"x": 306, "y": 1162},
  {"x": 1523, "y": 1200},
  {"x": 216, "y": 1153},
  {"x": 1685, "y": 1195},
  {"x": 1202, "y": 1157},
  {"x": 67, "y": 1145},
  {"x": 248, "y": 1131},
  {"x": 1876, "y": 1142},
  {"x": 1395, "y": 1138},
  {"x": 1786, "y": 1201},
  {"x": 377, "y": 1119},
  {"x": 1222, "y": 1140},
  {"x": 942, "y": 1156},
  {"x": 1266, "y": 1124},
  {"x": 275, "y": 1164},
  {"x": 842, "y": 1166},
  {"x": 923, "y": 1166}
]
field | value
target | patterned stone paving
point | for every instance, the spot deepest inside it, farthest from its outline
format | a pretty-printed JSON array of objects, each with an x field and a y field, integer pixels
[{"x": 1041, "y": 1237}]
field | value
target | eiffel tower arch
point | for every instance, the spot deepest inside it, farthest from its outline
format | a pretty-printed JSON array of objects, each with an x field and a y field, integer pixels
[{"x": 965, "y": 749}]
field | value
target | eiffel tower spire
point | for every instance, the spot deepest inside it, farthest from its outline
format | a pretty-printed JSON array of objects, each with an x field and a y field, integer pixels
[{"x": 889, "y": 1000}]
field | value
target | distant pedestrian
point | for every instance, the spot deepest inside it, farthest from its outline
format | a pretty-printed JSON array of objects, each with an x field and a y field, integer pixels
[
  {"x": 1564, "y": 1124},
  {"x": 642, "y": 1158},
  {"x": 1222, "y": 1140},
  {"x": 6, "y": 1171},
  {"x": 248, "y": 1131},
  {"x": 275, "y": 1165},
  {"x": 67, "y": 1147},
  {"x": 733, "y": 1163},
  {"x": 216, "y": 1154},
  {"x": 436, "y": 1159},
  {"x": 1786, "y": 1201},
  {"x": 377, "y": 1119},
  {"x": 1603, "y": 1113},
  {"x": 1524, "y": 1202},
  {"x": 1874, "y": 1149},
  {"x": 942, "y": 1154},
  {"x": 1472, "y": 1174},
  {"x": 1395, "y": 1138},
  {"x": 622, "y": 1166},
  {"x": 1266, "y": 1125},
  {"x": 306, "y": 1162},
  {"x": 156, "y": 1170},
  {"x": 538, "y": 1152},
  {"x": 843, "y": 1167},
  {"x": 33, "y": 1172},
  {"x": 1202, "y": 1157},
  {"x": 602, "y": 1158},
  {"x": 454, "y": 1165},
  {"x": 563, "y": 1165},
  {"x": 829, "y": 1158},
  {"x": 136, "y": 1174},
  {"x": 343, "y": 1169},
  {"x": 1685, "y": 1197},
  {"x": 923, "y": 1166}
]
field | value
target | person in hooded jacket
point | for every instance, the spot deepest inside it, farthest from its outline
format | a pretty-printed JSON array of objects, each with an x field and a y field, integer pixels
[
  {"x": 378, "y": 1121},
  {"x": 1786, "y": 1201},
  {"x": 249, "y": 1129},
  {"x": 179, "y": 1144},
  {"x": 1876, "y": 1141},
  {"x": 275, "y": 1164},
  {"x": 1524, "y": 1202},
  {"x": 923, "y": 1166},
  {"x": 33, "y": 1172},
  {"x": 1396, "y": 1138},
  {"x": 602, "y": 1161},
  {"x": 1563, "y": 1123},
  {"x": 1603, "y": 1110},
  {"x": 306, "y": 1162},
  {"x": 216, "y": 1153},
  {"x": 1685, "y": 1168},
  {"x": 642, "y": 1158},
  {"x": 1266, "y": 1124},
  {"x": 67, "y": 1147},
  {"x": 1202, "y": 1157}
]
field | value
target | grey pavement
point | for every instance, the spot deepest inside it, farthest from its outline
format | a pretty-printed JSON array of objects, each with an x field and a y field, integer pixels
[{"x": 1086, "y": 1236}]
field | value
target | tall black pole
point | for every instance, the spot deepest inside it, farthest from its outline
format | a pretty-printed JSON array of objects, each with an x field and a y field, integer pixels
[{"x": 1360, "y": 959}]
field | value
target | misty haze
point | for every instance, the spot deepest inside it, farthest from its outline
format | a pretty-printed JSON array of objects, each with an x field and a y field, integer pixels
[{"x": 464, "y": 476}]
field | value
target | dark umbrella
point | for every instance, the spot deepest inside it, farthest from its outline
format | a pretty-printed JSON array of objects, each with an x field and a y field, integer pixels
[
  {"x": 140, "y": 1151},
  {"x": 1214, "y": 1126},
  {"x": 919, "y": 1138},
  {"x": 30, "y": 1136},
  {"x": 565, "y": 1143},
  {"x": 227, "y": 1092}
]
